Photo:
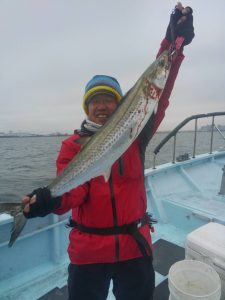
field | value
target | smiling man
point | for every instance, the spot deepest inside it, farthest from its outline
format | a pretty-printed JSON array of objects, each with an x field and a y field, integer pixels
[
  {"x": 101, "y": 107},
  {"x": 102, "y": 95}
]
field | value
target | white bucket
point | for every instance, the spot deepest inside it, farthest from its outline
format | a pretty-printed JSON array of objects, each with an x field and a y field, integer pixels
[{"x": 193, "y": 280}]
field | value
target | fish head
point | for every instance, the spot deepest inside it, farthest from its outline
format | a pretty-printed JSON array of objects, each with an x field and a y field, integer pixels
[
  {"x": 164, "y": 60},
  {"x": 162, "y": 69}
]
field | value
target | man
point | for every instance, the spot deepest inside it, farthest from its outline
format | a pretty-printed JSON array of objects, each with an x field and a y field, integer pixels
[{"x": 110, "y": 239}]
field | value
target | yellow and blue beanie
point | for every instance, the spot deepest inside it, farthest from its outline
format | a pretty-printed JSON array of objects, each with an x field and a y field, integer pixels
[{"x": 101, "y": 83}]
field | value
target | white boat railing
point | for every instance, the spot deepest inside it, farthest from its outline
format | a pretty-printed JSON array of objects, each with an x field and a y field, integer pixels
[{"x": 173, "y": 134}]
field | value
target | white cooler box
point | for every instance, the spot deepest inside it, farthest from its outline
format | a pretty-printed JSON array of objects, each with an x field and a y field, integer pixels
[{"x": 207, "y": 244}]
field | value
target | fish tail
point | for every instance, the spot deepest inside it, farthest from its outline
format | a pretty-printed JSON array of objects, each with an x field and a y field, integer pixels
[{"x": 18, "y": 225}]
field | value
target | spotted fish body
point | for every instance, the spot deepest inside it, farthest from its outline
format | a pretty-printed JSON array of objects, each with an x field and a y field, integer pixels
[{"x": 113, "y": 139}]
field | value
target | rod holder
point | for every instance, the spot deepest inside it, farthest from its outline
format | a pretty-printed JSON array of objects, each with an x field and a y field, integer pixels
[{"x": 222, "y": 187}]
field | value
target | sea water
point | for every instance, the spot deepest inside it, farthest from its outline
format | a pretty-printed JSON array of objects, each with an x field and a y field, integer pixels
[{"x": 29, "y": 162}]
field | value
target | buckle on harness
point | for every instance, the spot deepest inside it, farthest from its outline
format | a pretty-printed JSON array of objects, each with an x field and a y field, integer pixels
[
  {"x": 70, "y": 223},
  {"x": 148, "y": 219}
]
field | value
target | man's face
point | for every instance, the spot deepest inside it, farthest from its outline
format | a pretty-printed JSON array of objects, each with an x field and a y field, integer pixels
[{"x": 101, "y": 107}]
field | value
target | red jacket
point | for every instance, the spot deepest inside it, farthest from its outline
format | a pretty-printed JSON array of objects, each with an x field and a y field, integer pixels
[{"x": 121, "y": 200}]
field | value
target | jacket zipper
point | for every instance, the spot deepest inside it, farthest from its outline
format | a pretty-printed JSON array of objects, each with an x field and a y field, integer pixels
[{"x": 115, "y": 221}]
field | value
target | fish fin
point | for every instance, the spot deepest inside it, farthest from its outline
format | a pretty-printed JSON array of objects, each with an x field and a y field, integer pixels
[
  {"x": 18, "y": 225},
  {"x": 134, "y": 131},
  {"x": 106, "y": 174},
  {"x": 83, "y": 140}
]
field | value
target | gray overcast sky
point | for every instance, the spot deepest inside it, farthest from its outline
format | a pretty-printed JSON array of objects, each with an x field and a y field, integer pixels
[{"x": 51, "y": 48}]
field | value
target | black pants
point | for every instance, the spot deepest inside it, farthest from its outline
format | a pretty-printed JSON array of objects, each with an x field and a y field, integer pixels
[{"x": 132, "y": 280}]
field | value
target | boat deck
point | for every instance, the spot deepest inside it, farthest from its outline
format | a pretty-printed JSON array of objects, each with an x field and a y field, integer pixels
[
  {"x": 191, "y": 186},
  {"x": 166, "y": 254}
]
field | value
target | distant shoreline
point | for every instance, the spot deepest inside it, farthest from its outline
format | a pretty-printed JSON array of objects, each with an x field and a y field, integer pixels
[
  {"x": 67, "y": 134},
  {"x": 31, "y": 136}
]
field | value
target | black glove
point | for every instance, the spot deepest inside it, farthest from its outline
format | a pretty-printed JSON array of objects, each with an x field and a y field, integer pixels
[
  {"x": 182, "y": 28},
  {"x": 44, "y": 205},
  {"x": 186, "y": 29}
]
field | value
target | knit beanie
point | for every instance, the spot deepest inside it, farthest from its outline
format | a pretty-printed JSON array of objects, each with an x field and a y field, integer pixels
[{"x": 101, "y": 84}]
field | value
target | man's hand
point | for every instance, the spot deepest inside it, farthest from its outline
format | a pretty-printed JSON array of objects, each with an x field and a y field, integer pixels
[
  {"x": 179, "y": 6},
  {"x": 40, "y": 203},
  {"x": 185, "y": 29},
  {"x": 181, "y": 25}
]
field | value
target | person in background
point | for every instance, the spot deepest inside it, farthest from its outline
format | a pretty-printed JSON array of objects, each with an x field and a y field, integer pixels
[{"x": 123, "y": 255}]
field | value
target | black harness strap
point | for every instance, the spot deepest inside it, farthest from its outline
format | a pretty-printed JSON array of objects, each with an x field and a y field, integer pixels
[{"x": 131, "y": 229}]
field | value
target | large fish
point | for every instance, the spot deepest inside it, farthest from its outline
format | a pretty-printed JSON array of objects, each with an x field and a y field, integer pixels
[
  {"x": 118, "y": 133},
  {"x": 101, "y": 150}
]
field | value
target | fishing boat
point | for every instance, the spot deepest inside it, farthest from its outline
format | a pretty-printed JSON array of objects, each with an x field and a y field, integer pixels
[{"x": 183, "y": 195}]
